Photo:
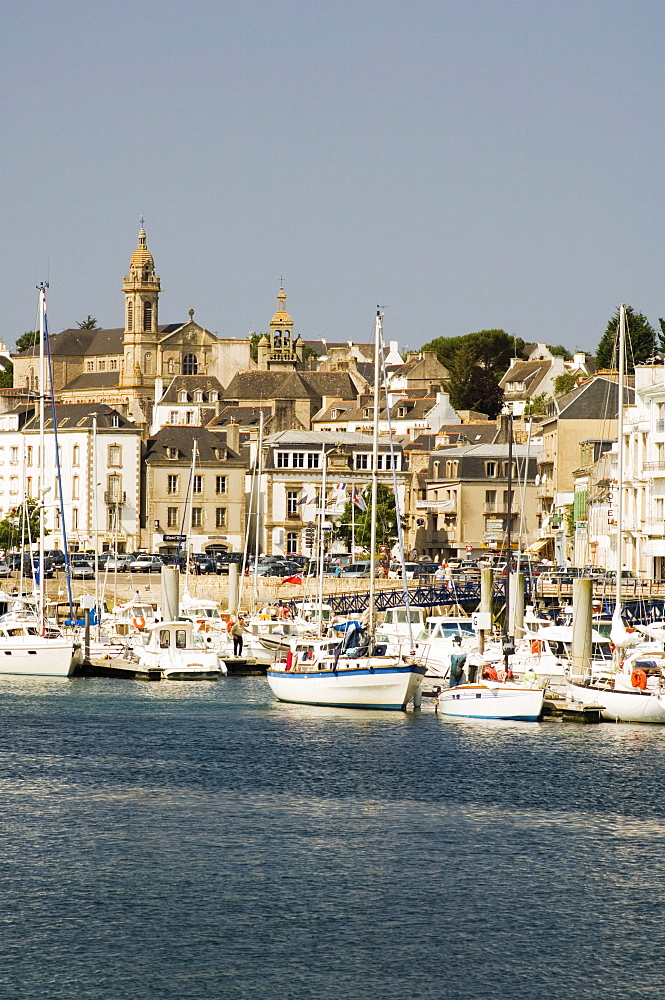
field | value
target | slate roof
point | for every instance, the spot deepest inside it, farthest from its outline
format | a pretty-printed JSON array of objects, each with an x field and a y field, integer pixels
[
  {"x": 93, "y": 380},
  {"x": 72, "y": 415},
  {"x": 596, "y": 399},
  {"x": 182, "y": 438},
  {"x": 208, "y": 383},
  {"x": 245, "y": 416},
  {"x": 531, "y": 373},
  {"x": 276, "y": 385},
  {"x": 89, "y": 343}
]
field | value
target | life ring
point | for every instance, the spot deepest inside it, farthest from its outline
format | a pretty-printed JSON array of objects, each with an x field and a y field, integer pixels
[
  {"x": 536, "y": 647},
  {"x": 638, "y": 679},
  {"x": 138, "y": 622}
]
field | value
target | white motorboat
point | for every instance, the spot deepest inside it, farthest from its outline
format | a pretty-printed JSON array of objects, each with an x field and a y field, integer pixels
[
  {"x": 172, "y": 650},
  {"x": 314, "y": 673},
  {"x": 492, "y": 700},
  {"x": 633, "y": 693}
]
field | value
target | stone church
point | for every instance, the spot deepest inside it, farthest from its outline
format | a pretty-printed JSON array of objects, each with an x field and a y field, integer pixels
[{"x": 120, "y": 366}]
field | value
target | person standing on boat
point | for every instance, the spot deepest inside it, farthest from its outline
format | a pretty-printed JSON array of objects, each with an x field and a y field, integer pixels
[
  {"x": 237, "y": 633},
  {"x": 457, "y": 661}
]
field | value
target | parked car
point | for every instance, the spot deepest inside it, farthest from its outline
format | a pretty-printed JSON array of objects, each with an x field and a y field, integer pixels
[
  {"x": 357, "y": 570},
  {"x": 56, "y": 556},
  {"x": 224, "y": 559},
  {"x": 119, "y": 563},
  {"x": 5, "y": 569},
  {"x": 395, "y": 570},
  {"x": 425, "y": 569},
  {"x": 468, "y": 566},
  {"x": 146, "y": 564},
  {"x": 83, "y": 569}
]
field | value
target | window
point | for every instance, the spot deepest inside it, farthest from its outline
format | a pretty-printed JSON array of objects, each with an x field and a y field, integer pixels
[
  {"x": 386, "y": 461},
  {"x": 147, "y": 316},
  {"x": 490, "y": 498},
  {"x": 172, "y": 517},
  {"x": 75, "y": 518},
  {"x": 451, "y": 470},
  {"x": 182, "y": 396},
  {"x": 164, "y": 638},
  {"x": 173, "y": 419},
  {"x": 115, "y": 420},
  {"x": 190, "y": 365},
  {"x": 115, "y": 455},
  {"x": 113, "y": 365},
  {"x": 113, "y": 489},
  {"x": 101, "y": 366},
  {"x": 197, "y": 517},
  {"x": 505, "y": 469},
  {"x": 221, "y": 484},
  {"x": 130, "y": 316},
  {"x": 368, "y": 411},
  {"x": 490, "y": 469},
  {"x": 291, "y": 542},
  {"x": 220, "y": 517},
  {"x": 362, "y": 461},
  {"x": 13, "y": 455},
  {"x": 75, "y": 487},
  {"x": 171, "y": 452},
  {"x": 180, "y": 639},
  {"x": 29, "y": 455},
  {"x": 198, "y": 484},
  {"x": 13, "y": 484},
  {"x": 198, "y": 396},
  {"x": 172, "y": 484},
  {"x": 28, "y": 487},
  {"x": 313, "y": 460},
  {"x": 112, "y": 519},
  {"x": 401, "y": 411},
  {"x": 189, "y": 417},
  {"x": 292, "y": 503},
  {"x": 90, "y": 366},
  {"x": 56, "y": 519},
  {"x": 298, "y": 460},
  {"x": 282, "y": 459}
]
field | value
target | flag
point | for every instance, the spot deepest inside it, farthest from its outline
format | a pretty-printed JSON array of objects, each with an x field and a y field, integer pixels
[
  {"x": 358, "y": 501},
  {"x": 303, "y": 499},
  {"x": 291, "y": 579}
]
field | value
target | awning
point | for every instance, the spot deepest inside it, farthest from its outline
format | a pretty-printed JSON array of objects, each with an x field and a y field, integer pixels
[
  {"x": 540, "y": 544},
  {"x": 654, "y": 547}
]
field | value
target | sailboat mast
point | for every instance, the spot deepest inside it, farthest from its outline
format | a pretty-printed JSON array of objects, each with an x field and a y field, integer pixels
[
  {"x": 322, "y": 516},
  {"x": 619, "y": 519},
  {"x": 375, "y": 461},
  {"x": 42, "y": 456}
]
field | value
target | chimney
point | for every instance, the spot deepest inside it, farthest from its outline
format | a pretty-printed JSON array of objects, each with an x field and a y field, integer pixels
[{"x": 233, "y": 436}]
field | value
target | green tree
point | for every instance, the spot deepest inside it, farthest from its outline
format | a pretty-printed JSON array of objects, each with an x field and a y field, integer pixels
[
  {"x": 386, "y": 519},
  {"x": 537, "y": 405},
  {"x": 493, "y": 350},
  {"x": 89, "y": 323},
  {"x": 566, "y": 382},
  {"x": 640, "y": 341},
  {"x": 661, "y": 335},
  {"x": 470, "y": 386},
  {"x": 20, "y": 522},
  {"x": 7, "y": 377},
  {"x": 559, "y": 351},
  {"x": 27, "y": 339}
]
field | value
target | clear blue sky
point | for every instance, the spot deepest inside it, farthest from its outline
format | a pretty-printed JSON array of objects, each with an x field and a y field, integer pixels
[{"x": 467, "y": 164}]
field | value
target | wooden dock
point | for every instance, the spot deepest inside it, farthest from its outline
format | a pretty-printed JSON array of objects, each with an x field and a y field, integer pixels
[{"x": 560, "y": 710}]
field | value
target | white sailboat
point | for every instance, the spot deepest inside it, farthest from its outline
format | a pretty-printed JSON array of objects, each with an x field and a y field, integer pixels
[
  {"x": 28, "y": 647},
  {"x": 322, "y": 672},
  {"x": 628, "y": 692}
]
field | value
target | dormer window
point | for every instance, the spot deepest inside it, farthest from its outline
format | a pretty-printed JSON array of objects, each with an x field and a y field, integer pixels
[
  {"x": 115, "y": 420},
  {"x": 368, "y": 411},
  {"x": 171, "y": 452},
  {"x": 401, "y": 411},
  {"x": 182, "y": 396},
  {"x": 198, "y": 396}
]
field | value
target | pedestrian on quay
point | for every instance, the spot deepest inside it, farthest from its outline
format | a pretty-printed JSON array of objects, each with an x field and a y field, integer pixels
[
  {"x": 237, "y": 632},
  {"x": 457, "y": 661}
]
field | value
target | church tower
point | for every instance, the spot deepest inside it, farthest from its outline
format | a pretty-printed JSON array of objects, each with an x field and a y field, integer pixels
[
  {"x": 280, "y": 351},
  {"x": 141, "y": 287}
]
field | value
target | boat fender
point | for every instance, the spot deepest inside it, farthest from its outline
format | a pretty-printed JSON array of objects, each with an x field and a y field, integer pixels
[
  {"x": 639, "y": 679},
  {"x": 139, "y": 622},
  {"x": 536, "y": 647},
  {"x": 289, "y": 660}
]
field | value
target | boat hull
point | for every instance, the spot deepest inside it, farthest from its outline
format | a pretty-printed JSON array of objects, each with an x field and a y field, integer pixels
[
  {"x": 492, "y": 701},
  {"x": 622, "y": 706},
  {"x": 390, "y": 688},
  {"x": 37, "y": 657}
]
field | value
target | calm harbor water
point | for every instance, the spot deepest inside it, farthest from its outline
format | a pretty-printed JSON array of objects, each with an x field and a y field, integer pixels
[{"x": 203, "y": 841}]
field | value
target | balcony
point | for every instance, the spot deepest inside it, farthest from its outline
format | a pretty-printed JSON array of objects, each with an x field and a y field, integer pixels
[
  {"x": 545, "y": 491},
  {"x": 654, "y": 526},
  {"x": 546, "y": 457},
  {"x": 655, "y": 467},
  {"x": 501, "y": 508},
  {"x": 114, "y": 497},
  {"x": 437, "y": 506}
]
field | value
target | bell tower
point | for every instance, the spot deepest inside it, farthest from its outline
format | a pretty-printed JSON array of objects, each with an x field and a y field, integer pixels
[{"x": 141, "y": 287}]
